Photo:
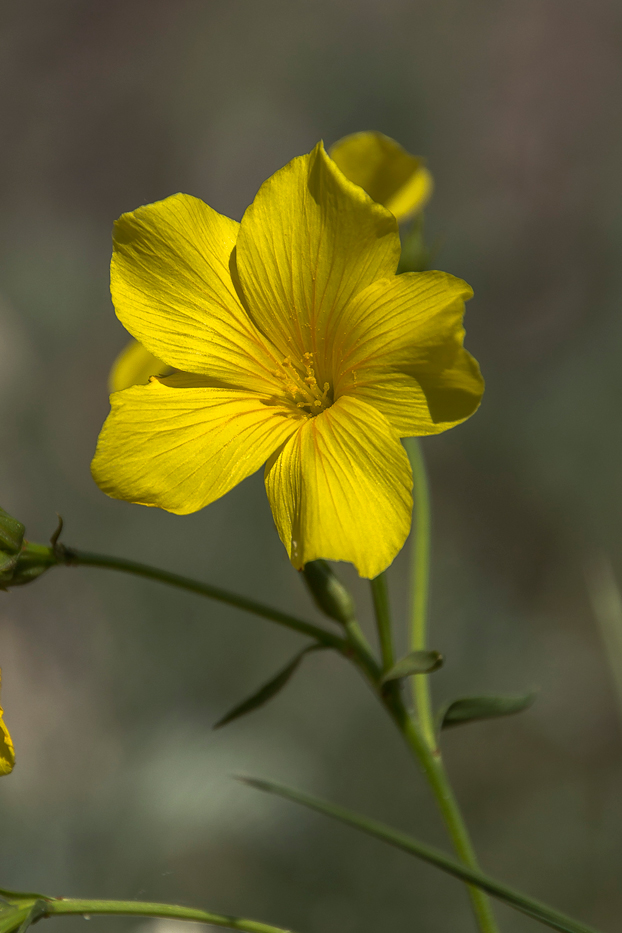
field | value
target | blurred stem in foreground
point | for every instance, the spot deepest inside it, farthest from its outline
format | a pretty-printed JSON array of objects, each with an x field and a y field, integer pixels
[
  {"x": 607, "y": 605},
  {"x": 527, "y": 905}
]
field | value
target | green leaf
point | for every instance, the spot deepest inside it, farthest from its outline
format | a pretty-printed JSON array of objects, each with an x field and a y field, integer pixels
[
  {"x": 417, "y": 662},
  {"x": 469, "y": 709},
  {"x": 527, "y": 905},
  {"x": 268, "y": 690}
]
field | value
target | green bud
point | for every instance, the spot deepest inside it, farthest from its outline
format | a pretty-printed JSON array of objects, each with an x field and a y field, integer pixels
[
  {"x": 11, "y": 533},
  {"x": 32, "y": 561},
  {"x": 11, "y": 538},
  {"x": 20, "y": 561},
  {"x": 328, "y": 592}
]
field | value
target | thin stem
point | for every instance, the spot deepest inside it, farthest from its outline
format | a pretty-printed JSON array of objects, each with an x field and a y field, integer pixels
[
  {"x": 424, "y": 749},
  {"x": 355, "y": 647},
  {"x": 144, "y": 909},
  {"x": 438, "y": 780},
  {"x": 73, "y": 557},
  {"x": 380, "y": 595},
  {"x": 528, "y": 905},
  {"x": 420, "y": 585}
]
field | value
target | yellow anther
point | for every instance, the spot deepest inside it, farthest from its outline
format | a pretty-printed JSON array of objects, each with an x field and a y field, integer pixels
[{"x": 302, "y": 389}]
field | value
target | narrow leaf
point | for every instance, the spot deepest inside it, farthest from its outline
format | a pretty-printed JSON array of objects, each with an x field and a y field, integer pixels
[
  {"x": 269, "y": 690},
  {"x": 527, "y": 905},
  {"x": 417, "y": 662},
  {"x": 468, "y": 709}
]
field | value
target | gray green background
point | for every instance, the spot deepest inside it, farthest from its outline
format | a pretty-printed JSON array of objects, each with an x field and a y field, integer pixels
[{"x": 111, "y": 685}]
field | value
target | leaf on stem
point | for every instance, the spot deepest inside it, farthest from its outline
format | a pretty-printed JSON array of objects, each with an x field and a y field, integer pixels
[
  {"x": 469, "y": 709},
  {"x": 417, "y": 662},
  {"x": 269, "y": 690}
]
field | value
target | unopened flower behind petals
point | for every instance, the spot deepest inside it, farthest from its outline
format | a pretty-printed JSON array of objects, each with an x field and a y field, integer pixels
[
  {"x": 389, "y": 174},
  {"x": 135, "y": 366}
]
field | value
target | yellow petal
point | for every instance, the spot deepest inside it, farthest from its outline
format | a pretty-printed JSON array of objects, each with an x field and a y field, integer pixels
[
  {"x": 388, "y": 173},
  {"x": 135, "y": 365},
  {"x": 310, "y": 242},
  {"x": 340, "y": 489},
  {"x": 182, "y": 448},
  {"x": 399, "y": 347},
  {"x": 172, "y": 289},
  {"x": 7, "y": 752}
]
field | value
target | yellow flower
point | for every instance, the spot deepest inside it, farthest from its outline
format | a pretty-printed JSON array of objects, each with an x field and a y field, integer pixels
[
  {"x": 7, "y": 752},
  {"x": 388, "y": 173},
  {"x": 295, "y": 345}
]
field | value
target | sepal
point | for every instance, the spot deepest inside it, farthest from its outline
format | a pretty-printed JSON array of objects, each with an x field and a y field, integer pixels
[{"x": 328, "y": 592}]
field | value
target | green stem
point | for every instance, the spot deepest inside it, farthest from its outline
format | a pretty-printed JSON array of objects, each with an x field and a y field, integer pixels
[
  {"x": 420, "y": 585},
  {"x": 64, "y": 906},
  {"x": 425, "y": 749},
  {"x": 438, "y": 780},
  {"x": 356, "y": 647},
  {"x": 73, "y": 557},
  {"x": 380, "y": 595},
  {"x": 528, "y": 905}
]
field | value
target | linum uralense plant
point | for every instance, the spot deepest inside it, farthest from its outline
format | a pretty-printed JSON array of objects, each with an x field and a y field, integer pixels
[{"x": 309, "y": 339}]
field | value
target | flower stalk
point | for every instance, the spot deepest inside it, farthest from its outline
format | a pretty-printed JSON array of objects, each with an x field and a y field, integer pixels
[
  {"x": 380, "y": 596},
  {"x": 424, "y": 749},
  {"x": 420, "y": 585},
  {"x": 19, "y": 914}
]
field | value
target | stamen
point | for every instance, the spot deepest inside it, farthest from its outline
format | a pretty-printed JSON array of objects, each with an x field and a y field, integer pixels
[{"x": 303, "y": 389}]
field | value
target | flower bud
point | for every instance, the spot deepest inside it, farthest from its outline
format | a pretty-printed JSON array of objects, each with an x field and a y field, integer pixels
[
  {"x": 11, "y": 533},
  {"x": 20, "y": 561},
  {"x": 328, "y": 592},
  {"x": 11, "y": 538},
  {"x": 33, "y": 560}
]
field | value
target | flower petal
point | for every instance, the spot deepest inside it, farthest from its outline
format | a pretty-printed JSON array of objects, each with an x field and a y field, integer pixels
[
  {"x": 310, "y": 242},
  {"x": 7, "y": 752},
  {"x": 340, "y": 489},
  {"x": 182, "y": 448},
  {"x": 399, "y": 347},
  {"x": 388, "y": 173},
  {"x": 172, "y": 289},
  {"x": 135, "y": 365}
]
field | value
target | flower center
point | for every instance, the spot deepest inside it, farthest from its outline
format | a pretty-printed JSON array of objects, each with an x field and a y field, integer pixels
[{"x": 301, "y": 384}]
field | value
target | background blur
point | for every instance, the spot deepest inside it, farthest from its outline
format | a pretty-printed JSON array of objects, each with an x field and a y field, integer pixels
[{"x": 111, "y": 685}]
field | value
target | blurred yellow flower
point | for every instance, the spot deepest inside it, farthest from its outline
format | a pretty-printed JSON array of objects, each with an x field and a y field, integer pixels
[
  {"x": 7, "y": 752},
  {"x": 389, "y": 174},
  {"x": 294, "y": 343}
]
